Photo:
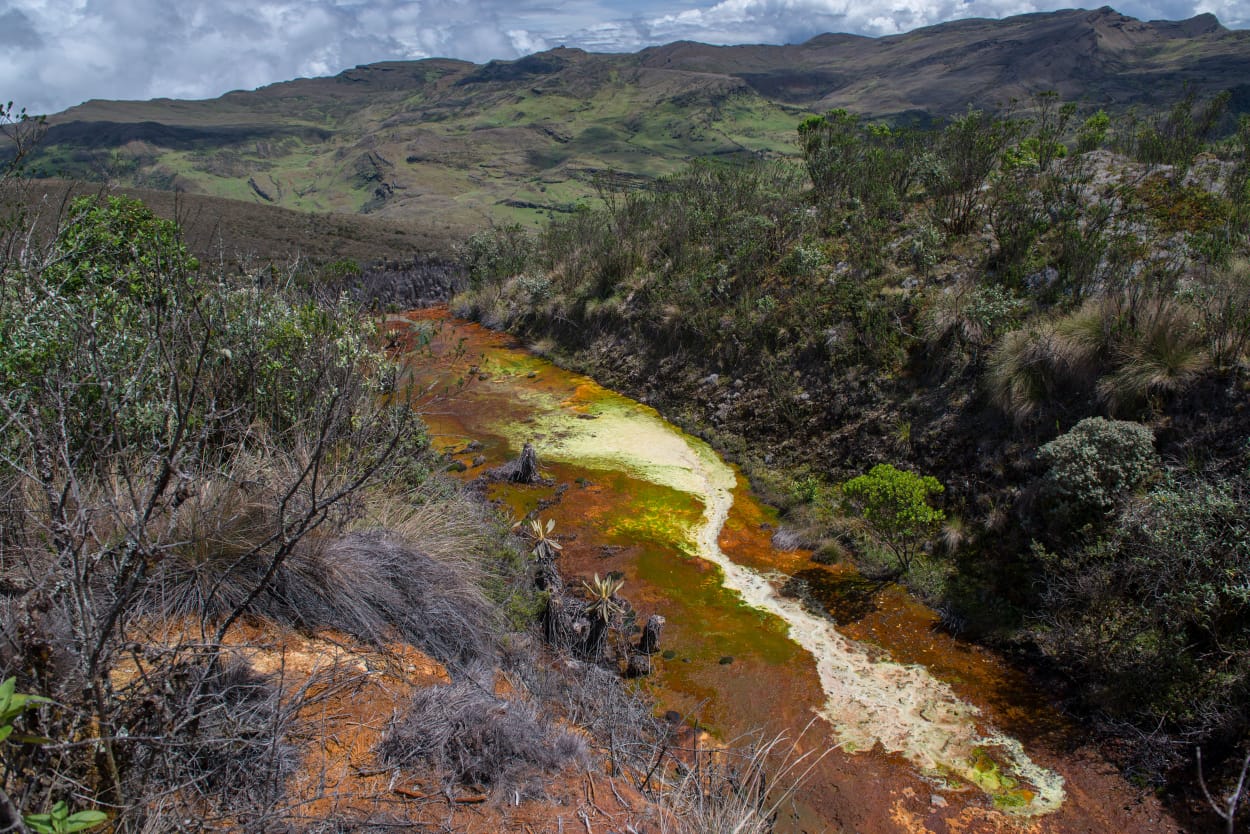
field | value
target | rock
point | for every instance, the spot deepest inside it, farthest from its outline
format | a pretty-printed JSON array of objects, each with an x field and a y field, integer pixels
[
  {"x": 639, "y": 666},
  {"x": 526, "y": 467},
  {"x": 650, "y": 642},
  {"x": 478, "y": 460},
  {"x": 1042, "y": 280},
  {"x": 456, "y": 466},
  {"x": 710, "y": 379}
]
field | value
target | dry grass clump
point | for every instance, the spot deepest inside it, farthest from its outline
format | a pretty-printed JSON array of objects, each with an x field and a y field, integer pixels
[
  {"x": 1138, "y": 346},
  {"x": 1021, "y": 375},
  {"x": 218, "y": 546},
  {"x": 738, "y": 789},
  {"x": 470, "y": 737},
  {"x": 374, "y": 585},
  {"x": 1126, "y": 349}
]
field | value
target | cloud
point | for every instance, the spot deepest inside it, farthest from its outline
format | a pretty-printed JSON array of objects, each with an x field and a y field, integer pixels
[
  {"x": 56, "y": 53},
  {"x": 17, "y": 30}
]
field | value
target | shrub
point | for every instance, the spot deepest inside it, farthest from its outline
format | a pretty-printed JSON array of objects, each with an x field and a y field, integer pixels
[
  {"x": 497, "y": 253},
  {"x": 1018, "y": 218},
  {"x": 968, "y": 150},
  {"x": 867, "y": 168},
  {"x": 1153, "y": 614},
  {"x": 173, "y": 441},
  {"x": 1092, "y": 134},
  {"x": 894, "y": 504},
  {"x": 1223, "y": 304},
  {"x": 1091, "y": 468},
  {"x": 1174, "y": 139},
  {"x": 970, "y": 316}
]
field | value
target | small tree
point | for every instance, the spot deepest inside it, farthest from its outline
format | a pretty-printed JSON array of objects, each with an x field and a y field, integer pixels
[{"x": 894, "y": 505}]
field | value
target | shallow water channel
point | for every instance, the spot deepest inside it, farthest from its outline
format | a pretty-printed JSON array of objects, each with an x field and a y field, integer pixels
[{"x": 927, "y": 733}]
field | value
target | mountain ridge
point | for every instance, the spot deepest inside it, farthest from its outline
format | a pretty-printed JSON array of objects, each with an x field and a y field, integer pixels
[{"x": 516, "y": 140}]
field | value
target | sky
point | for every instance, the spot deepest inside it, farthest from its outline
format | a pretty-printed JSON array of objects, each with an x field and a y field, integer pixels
[{"x": 57, "y": 53}]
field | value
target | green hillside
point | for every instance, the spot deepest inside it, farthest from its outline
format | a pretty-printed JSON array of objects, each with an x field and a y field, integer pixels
[{"x": 523, "y": 140}]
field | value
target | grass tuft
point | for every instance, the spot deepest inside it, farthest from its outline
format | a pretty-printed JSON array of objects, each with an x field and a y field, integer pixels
[{"x": 471, "y": 738}]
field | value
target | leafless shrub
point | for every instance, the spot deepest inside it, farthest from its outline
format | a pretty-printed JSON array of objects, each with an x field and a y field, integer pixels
[
  {"x": 737, "y": 789},
  {"x": 198, "y": 737},
  {"x": 790, "y": 538},
  {"x": 1226, "y": 807},
  {"x": 470, "y": 737},
  {"x": 215, "y": 733}
]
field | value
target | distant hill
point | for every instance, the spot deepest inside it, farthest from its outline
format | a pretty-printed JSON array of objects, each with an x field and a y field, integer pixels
[
  {"x": 458, "y": 145},
  {"x": 217, "y": 229}
]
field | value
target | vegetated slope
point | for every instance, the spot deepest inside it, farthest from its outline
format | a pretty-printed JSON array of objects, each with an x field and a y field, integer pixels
[
  {"x": 1060, "y": 335},
  {"x": 516, "y": 140},
  {"x": 448, "y": 139},
  {"x": 235, "y": 594},
  {"x": 216, "y": 228}
]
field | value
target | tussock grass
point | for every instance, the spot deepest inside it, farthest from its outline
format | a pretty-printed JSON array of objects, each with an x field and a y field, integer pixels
[
  {"x": 374, "y": 585},
  {"x": 435, "y": 604},
  {"x": 1020, "y": 375},
  {"x": 359, "y": 572},
  {"x": 1123, "y": 348},
  {"x": 472, "y": 738}
]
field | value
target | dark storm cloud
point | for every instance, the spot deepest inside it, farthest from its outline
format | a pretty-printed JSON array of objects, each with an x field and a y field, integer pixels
[
  {"x": 55, "y": 53},
  {"x": 17, "y": 30}
]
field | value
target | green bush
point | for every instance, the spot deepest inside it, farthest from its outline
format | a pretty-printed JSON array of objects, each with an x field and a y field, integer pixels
[
  {"x": 968, "y": 150},
  {"x": 117, "y": 243},
  {"x": 1155, "y": 614},
  {"x": 969, "y": 317},
  {"x": 115, "y": 312},
  {"x": 497, "y": 253},
  {"x": 1092, "y": 134},
  {"x": 866, "y": 168},
  {"x": 1091, "y": 468},
  {"x": 894, "y": 505},
  {"x": 1174, "y": 139}
]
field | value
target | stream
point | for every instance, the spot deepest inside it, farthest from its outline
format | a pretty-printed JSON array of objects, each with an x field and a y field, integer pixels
[{"x": 926, "y": 733}]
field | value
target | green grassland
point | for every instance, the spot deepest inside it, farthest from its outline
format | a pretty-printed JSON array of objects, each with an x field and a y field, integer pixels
[{"x": 424, "y": 138}]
